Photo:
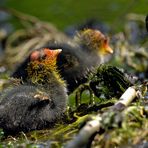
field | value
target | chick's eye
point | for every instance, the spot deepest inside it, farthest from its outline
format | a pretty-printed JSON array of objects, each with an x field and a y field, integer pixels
[{"x": 106, "y": 40}]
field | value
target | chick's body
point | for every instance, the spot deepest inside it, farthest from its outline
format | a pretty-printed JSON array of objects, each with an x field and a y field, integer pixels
[{"x": 37, "y": 104}]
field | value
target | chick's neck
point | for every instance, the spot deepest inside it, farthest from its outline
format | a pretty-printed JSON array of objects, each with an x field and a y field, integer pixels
[{"x": 43, "y": 72}]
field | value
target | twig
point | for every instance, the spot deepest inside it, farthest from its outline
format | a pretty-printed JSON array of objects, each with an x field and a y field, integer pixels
[
  {"x": 81, "y": 140},
  {"x": 28, "y": 18},
  {"x": 20, "y": 15},
  {"x": 126, "y": 98}
]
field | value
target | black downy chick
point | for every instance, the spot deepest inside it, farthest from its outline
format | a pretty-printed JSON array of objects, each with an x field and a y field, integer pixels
[{"x": 40, "y": 102}]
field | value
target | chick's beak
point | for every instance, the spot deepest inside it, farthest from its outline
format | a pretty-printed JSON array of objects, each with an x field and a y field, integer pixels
[
  {"x": 52, "y": 53},
  {"x": 56, "y": 52},
  {"x": 109, "y": 50},
  {"x": 106, "y": 49}
]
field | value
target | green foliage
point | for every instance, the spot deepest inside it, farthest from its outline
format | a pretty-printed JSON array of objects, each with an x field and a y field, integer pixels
[
  {"x": 78, "y": 11},
  {"x": 1, "y": 134},
  {"x": 110, "y": 81}
]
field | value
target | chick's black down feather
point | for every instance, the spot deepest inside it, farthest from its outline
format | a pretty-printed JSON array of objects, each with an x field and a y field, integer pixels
[{"x": 38, "y": 103}]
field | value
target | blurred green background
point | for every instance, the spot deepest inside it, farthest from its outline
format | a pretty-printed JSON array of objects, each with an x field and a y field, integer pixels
[{"x": 64, "y": 13}]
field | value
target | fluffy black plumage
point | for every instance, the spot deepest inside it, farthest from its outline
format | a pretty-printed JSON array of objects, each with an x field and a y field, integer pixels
[{"x": 37, "y": 104}]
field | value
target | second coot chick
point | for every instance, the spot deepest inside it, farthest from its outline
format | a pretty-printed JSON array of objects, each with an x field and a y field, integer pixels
[{"x": 88, "y": 50}]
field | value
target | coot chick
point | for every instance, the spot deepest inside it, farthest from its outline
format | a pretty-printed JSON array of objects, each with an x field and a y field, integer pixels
[
  {"x": 78, "y": 58},
  {"x": 38, "y": 103}
]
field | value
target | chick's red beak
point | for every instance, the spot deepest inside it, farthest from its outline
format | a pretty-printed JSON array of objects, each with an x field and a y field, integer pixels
[{"x": 52, "y": 53}]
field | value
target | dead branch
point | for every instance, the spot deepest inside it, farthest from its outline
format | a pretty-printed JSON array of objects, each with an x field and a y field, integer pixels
[
  {"x": 126, "y": 98},
  {"x": 81, "y": 140}
]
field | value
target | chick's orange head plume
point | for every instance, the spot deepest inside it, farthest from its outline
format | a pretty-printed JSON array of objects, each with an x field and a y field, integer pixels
[
  {"x": 42, "y": 67},
  {"x": 42, "y": 63},
  {"x": 96, "y": 41},
  {"x": 104, "y": 47}
]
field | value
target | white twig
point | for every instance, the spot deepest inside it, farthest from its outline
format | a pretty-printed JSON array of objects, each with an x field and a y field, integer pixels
[
  {"x": 127, "y": 97},
  {"x": 85, "y": 133}
]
